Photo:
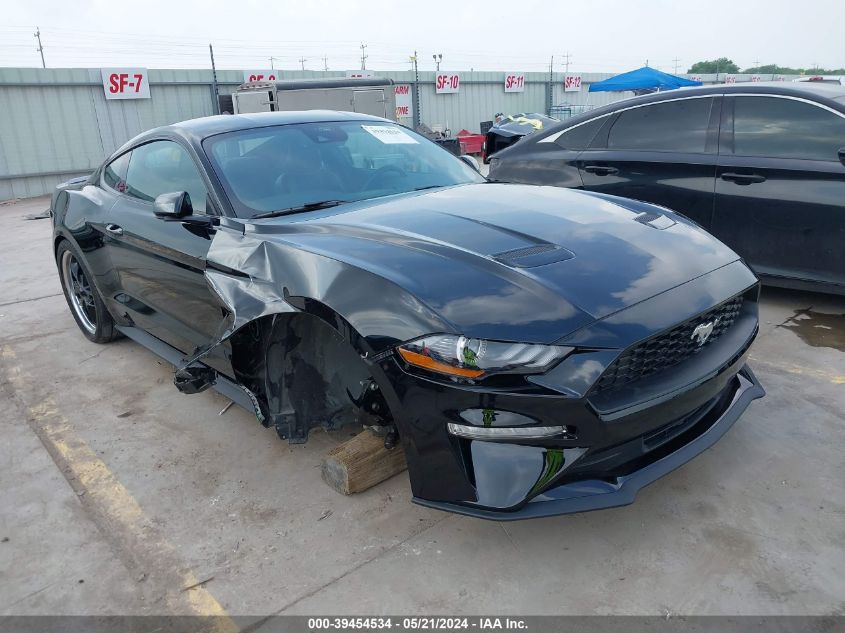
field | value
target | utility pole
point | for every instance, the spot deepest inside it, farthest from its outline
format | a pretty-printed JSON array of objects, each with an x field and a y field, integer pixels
[
  {"x": 302, "y": 61},
  {"x": 325, "y": 63},
  {"x": 214, "y": 81},
  {"x": 675, "y": 61},
  {"x": 437, "y": 59},
  {"x": 550, "y": 87},
  {"x": 566, "y": 57},
  {"x": 364, "y": 57},
  {"x": 416, "y": 96},
  {"x": 272, "y": 59},
  {"x": 40, "y": 46}
]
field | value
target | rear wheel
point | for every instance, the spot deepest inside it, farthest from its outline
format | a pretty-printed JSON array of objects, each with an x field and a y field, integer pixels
[{"x": 82, "y": 297}]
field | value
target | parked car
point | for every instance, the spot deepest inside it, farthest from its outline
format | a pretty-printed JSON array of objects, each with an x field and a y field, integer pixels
[
  {"x": 762, "y": 167},
  {"x": 538, "y": 351},
  {"x": 512, "y": 128},
  {"x": 825, "y": 79}
]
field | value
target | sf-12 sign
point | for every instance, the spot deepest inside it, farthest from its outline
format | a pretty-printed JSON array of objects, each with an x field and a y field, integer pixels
[
  {"x": 572, "y": 83},
  {"x": 261, "y": 75},
  {"x": 515, "y": 82},
  {"x": 125, "y": 83},
  {"x": 447, "y": 84}
]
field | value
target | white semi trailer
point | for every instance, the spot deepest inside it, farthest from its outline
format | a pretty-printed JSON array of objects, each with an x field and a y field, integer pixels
[{"x": 366, "y": 96}]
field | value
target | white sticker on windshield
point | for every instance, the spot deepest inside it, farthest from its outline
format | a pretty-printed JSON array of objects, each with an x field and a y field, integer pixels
[{"x": 390, "y": 135}]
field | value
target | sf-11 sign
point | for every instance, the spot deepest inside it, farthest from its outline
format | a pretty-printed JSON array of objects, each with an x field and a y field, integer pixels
[
  {"x": 447, "y": 84},
  {"x": 515, "y": 82},
  {"x": 125, "y": 83},
  {"x": 261, "y": 75}
]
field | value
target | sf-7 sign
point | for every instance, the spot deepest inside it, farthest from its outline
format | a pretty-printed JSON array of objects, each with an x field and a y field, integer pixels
[{"x": 125, "y": 83}]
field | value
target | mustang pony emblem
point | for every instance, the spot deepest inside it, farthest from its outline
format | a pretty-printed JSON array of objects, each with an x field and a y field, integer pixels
[{"x": 703, "y": 331}]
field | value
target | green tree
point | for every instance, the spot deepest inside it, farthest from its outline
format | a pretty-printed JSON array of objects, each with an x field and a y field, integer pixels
[
  {"x": 721, "y": 65},
  {"x": 775, "y": 69}
]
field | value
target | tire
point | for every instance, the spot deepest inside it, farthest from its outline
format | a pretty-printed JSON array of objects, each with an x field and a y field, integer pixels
[{"x": 82, "y": 297}]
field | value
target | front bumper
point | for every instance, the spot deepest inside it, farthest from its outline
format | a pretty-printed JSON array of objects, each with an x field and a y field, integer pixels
[
  {"x": 616, "y": 441},
  {"x": 596, "y": 494}
]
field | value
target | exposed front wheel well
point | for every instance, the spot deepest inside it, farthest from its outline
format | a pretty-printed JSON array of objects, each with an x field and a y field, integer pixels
[{"x": 305, "y": 374}]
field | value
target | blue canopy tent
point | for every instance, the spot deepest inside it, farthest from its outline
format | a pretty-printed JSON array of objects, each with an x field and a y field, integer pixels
[{"x": 644, "y": 78}]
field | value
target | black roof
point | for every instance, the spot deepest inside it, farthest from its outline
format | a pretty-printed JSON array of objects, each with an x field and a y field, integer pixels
[
  {"x": 195, "y": 130},
  {"x": 829, "y": 94}
]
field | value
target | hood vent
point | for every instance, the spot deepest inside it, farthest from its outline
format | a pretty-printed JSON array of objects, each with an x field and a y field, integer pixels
[
  {"x": 531, "y": 256},
  {"x": 655, "y": 220}
]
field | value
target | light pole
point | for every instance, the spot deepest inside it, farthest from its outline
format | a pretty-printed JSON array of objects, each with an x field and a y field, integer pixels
[{"x": 437, "y": 59}]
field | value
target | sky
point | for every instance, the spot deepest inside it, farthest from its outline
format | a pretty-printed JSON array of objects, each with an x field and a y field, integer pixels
[{"x": 598, "y": 36}]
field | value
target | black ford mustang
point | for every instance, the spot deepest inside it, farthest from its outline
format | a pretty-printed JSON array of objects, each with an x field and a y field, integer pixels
[{"x": 535, "y": 350}]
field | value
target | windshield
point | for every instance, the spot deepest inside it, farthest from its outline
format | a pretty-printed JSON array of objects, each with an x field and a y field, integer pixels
[{"x": 274, "y": 168}]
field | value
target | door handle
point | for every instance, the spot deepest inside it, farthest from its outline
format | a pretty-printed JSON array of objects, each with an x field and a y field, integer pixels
[
  {"x": 600, "y": 170},
  {"x": 114, "y": 229},
  {"x": 742, "y": 179}
]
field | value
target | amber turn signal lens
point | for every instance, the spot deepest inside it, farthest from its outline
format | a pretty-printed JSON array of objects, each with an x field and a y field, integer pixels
[{"x": 426, "y": 362}]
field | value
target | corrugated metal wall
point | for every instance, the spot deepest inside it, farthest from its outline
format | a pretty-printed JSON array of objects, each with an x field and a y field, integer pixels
[{"x": 57, "y": 123}]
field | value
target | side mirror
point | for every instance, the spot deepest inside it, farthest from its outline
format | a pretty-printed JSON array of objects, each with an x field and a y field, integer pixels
[
  {"x": 173, "y": 205},
  {"x": 842, "y": 155},
  {"x": 471, "y": 161}
]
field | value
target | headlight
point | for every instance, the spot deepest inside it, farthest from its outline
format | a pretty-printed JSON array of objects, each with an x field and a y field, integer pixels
[{"x": 474, "y": 358}]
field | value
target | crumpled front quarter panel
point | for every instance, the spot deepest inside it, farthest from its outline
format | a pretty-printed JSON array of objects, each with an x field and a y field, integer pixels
[{"x": 255, "y": 274}]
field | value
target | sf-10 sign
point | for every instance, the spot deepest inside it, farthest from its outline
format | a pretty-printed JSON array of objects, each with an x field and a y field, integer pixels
[
  {"x": 447, "y": 84},
  {"x": 515, "y": 83},
  {"x": 126, "y": 83}
]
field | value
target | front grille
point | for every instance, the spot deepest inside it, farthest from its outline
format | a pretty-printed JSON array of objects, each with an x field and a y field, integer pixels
[{"x": 669, "y": 348}]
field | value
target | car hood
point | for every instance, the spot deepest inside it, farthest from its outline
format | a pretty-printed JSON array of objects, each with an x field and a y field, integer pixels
[{"x": 512, "y": 262}]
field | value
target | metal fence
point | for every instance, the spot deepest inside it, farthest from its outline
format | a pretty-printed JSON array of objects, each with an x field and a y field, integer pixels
[{"x": 57, "y": 123}]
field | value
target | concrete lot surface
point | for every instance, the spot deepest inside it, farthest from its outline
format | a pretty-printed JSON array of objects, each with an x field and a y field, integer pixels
[{"x": 120, "y": 495}]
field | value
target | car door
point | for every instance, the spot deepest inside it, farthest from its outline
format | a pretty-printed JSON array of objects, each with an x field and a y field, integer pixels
[
  {"x": 552, "y": 160},
  {"x": 159, "y": 263},
  {"x": 780, "y": 187},
  {"x": 662, "y": 152}
]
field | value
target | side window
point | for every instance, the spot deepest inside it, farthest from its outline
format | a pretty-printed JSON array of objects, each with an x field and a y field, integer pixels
[
  {"x": 114, "y": 175},
  {"x": 674, "y": 126},
  {"x": 579, "y": 137},
  {"x": 164, "y": 167},
  {"x": 785, "y": 128}
]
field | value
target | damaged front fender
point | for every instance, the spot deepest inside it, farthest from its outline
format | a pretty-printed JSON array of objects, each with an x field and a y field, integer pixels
[{"x": 306, "y": 331}]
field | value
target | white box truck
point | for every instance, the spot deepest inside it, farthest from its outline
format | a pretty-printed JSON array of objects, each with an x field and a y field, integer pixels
[{"x": 367, "y": 96}]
